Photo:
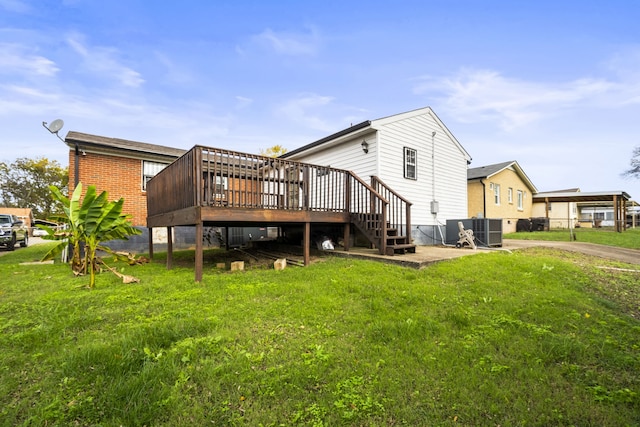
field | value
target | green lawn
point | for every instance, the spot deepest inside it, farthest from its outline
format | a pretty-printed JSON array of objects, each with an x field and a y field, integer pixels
[
  {"x": 627, "y": 239},
  {"x": 536, "y": 338}
]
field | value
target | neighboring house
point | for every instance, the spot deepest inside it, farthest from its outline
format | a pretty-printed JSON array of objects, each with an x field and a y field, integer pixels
[
  {"x": 121, "y": 168},
  {"x": 502, "y": 190},
  {"x": 571, "y": 208},
  {"x": 594, "y": 216},
  {"x": 414, "y": 154},
  {"x": 561, "y": 214}
]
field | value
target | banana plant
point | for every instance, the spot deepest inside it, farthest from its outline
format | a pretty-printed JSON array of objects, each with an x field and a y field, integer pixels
[{"x": 88, "y": 224}]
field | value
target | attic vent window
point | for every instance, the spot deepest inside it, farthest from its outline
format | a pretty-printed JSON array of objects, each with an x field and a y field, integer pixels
[{"x": 410, "y": 163}]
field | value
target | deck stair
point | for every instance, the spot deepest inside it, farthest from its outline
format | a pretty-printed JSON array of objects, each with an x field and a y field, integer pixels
[{"x": 370, "y": 225}]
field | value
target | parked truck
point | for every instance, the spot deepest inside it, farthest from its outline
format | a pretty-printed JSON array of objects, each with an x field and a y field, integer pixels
[{"x": 12, "y": 231}]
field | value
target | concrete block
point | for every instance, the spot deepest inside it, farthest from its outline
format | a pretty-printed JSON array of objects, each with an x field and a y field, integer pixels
[
  {"x": 237, "y": 266},
  {"x": 280, "y": 264}
]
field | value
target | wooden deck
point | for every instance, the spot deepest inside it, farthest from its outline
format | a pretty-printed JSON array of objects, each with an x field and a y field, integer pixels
[{"x": 213, "y": 187}]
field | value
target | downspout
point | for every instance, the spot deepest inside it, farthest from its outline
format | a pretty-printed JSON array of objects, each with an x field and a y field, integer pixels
[
  {"x": 433, "y": 166},
  {"x": 484, "y": 198},
  {"x": 76, "y": 170}
]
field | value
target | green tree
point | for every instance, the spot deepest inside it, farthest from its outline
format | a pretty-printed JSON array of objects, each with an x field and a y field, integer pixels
[
  {"x": 25, "y": 184},
  {"x": 89, "y": 223},
  {"x": 634, "y": 169},
  {"x": 274, "y": 151}
]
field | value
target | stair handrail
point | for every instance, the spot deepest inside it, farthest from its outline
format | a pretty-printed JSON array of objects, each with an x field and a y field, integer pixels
[
  {"x": 375, "y": 182},
  {"x": 375, "y": 179},
  {"x": 375, "y": 195},
  {"x": 368, "y": 187}
]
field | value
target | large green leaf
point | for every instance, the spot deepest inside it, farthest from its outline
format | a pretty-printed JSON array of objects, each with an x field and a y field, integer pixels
[
  {"x": 91, "y": 221},
  {"x": 92, "y": 210}
]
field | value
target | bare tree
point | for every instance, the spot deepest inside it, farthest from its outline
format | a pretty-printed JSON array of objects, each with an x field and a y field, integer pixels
[{"x": 634, "y": 170}]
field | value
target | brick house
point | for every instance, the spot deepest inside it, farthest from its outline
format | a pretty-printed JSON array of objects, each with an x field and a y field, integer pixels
[
  {"x": 120, "y": 167},
  {"x": 502, "y": 190}
]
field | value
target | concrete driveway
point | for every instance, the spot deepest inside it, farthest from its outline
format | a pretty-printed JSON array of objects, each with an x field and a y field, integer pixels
[{"x": 630, "y": 256}]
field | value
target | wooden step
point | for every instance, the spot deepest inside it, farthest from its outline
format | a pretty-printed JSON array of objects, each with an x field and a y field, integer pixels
[
  {"x": 396, "y": 240},
  {"x": 400, "y": 249}
]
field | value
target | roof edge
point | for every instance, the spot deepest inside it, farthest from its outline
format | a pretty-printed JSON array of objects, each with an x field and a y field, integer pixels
[{"x": 331, "y": 137}]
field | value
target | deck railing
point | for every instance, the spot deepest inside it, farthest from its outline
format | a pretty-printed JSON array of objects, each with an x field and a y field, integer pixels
[
  {"x": 174, "y": 188},
  {"x": 225, "y": 179}
]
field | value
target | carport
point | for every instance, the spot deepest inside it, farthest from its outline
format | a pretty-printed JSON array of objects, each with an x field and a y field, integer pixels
[{"x": 618, "y": 199}]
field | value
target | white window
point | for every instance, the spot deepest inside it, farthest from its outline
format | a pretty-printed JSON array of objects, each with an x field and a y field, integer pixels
[
  {"x": 496, "y": 193},
  {"x": 520, "y": 200},
  {"x": 149, "y": 170},
  {"x": 410, "y": 163},
  {"x": 510, "y": 195}
]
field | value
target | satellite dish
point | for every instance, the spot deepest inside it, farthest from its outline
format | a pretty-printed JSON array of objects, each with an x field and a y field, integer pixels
[{"x": 55, "y": 126}]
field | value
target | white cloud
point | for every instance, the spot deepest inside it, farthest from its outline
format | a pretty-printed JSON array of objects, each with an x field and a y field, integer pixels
[
  {"x": 104, "y": 61},
  {"x": 175, "y": 73},
  {"x": 243, "y": 102},
  {"x": 625, "y": 63},
  {"x": 17, "y": 6},
  {"x": 302, "y": 110},
  {"x": 292, "y": 44},
  {"x": 15, "y": 59},
  {"x": 486, "y": 95}
]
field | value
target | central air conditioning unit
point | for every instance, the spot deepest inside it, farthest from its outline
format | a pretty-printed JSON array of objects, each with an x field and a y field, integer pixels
[{"x": 487, "y": 231}]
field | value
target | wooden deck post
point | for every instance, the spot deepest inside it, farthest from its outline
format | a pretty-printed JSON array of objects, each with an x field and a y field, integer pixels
[
  {"x": 169, "y": 248},
  {"x": 347, "y": 236},
  {"x": 408, "y": 223},
  {"x": 383, "y": 230},
  {"x": 546, "y": 208},
  {"x": 199, "y": 255},
  {"x": 306, "y": 242},
  {"x": 150, "y": 242},
  {"x": 616, "y": 213}
]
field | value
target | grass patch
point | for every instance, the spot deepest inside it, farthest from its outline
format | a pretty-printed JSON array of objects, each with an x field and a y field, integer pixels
[
  {"x": 627, "y": 239},
  {"x": 537, "y": 337}
]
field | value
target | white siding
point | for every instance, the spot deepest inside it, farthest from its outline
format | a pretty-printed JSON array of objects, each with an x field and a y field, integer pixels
[
  {"x": 348, "y": 155},
  {"x": 385, "y": 159},
  {"x": 450, "y": 168}
]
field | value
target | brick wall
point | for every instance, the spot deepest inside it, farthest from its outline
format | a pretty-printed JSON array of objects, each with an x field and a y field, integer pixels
[
  {"x": 118, "y": 176},
  {"x": 508, "y": 211}
]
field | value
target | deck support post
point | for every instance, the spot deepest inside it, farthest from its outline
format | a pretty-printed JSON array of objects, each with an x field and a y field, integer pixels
[
  {"x": 150, "y": 242},
  {"x": 169, "y": 248},
  {"x": 306, "y": 242},
  {"x": 199, "y": 255},
  {"x": 346, "y": 238}
]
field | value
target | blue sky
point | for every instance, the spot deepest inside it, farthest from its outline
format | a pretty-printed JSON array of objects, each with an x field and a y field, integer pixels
[{"x": 554, "y": 85}]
